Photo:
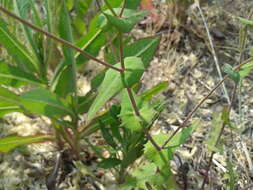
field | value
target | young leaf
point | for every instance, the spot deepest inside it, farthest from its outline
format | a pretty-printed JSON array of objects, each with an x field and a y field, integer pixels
[
  {"x": 16, "y": 49},
  {"x": 9, "y": 143},
  {"x": 234, "y": 75},
  {"x": 109, "y": 163},
  {"x": 128, "y": 21},
  {"x": 13, "y": 76},
  {"x": 41, "y": 101},
  {"x": 112, "y": 83}
]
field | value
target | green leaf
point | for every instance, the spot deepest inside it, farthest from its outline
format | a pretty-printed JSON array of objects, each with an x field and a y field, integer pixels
[
  {"x": 128, "y": 21},
  {"x": 91, "y": 42},
  {"x": 141, "y": 175},
  {"x": 132, "y": 4},
  {"x": 9, "y": 143},
  {"x": 112, "y": 82},
  {"x": 67, "y": 80},
  {"x": 109, "y": 163},
  {"x": 246, "y": 69},
  {"x": 9, "y": 96},
  {"x": 22, "y": 10},
  {"x": 144, "y": 48},
  {"x": 133, "y": 154},
  {"x": 16, "y": 49},
  {"x": 147, "y": 95},
  {"x": 245, "y": 21},
  {"x": 217, "y": 124},
  {"x": 84, "y": 102},
  {"x": 179, "y": 139},
  {"x": 105, "y": 117},
  {"x": 41, "y": 101},
  {"x": 107, "y": 135},
  {"x": 128, "y": 116},
  {"x": 8, "y": 107},
  {"x": 234, "y": 75},
  {"x": 13, "y": 76}
]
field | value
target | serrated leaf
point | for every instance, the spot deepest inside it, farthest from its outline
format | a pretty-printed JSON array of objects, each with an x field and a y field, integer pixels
[
  {"x": 9, "y": 143},
  {"x": 107, "y": 135},
  {"x": 109, "y": 163},
  {"x": 128, "y": 21},
  {"x": 133, "y": 154},
  {"x": 16, "y": 49},
  {"x": 14, "y": 76},
  {"x": 41, "y": 101},
  {"x": 151, "y": 153},
  {"x": 112, "y": 82},
  {"x": 129, "y": 119}
]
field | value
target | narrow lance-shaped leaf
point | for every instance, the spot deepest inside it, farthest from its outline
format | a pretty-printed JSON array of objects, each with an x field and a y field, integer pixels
[
  {"x": 16, "y": 49},
  {"x": 14, "y": 76},
  {"x": 9, "y": 102},
  {"x": 9, "y": 96},
  {"x": 41, "y": 101},
  {"x": 66, "y": 82},
  {"x": 112, "y": 82},
  {"x": 217, "y": 124},
  {"x": 22, "y": 9},
  {"x": 9, "y": 143}
]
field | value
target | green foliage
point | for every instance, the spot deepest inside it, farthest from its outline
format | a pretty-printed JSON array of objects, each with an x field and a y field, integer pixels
[
  {"x": 113, "y": 82},
  {"x": 9, "y": 143},
  {"x": 128, "y": 21},
  {"x": 50, "y": 83},
  {"x": 234, "y": 75}
]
